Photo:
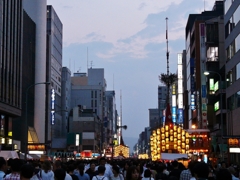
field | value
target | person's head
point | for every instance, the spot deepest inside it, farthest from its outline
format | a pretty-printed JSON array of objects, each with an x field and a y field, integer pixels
[
  {"x": 147, "y": 173},
  {"x": 126, "y": 166},
  {"x": 81, "y": 168},
  {"x": 132, "y": 173},
  {"x": 201, "y": 170},
  {"x": 46, "y": 165},
  {"x": 191, "y": 166},
  {"x": 224, "y": 174},
  {"x": 115, "y": 169},
  {"x": 92, "y": 166},
  {"x": 57, "y": 164},
  {"x": 71, "y": 168},
  {"x": 223, "y": 165},
  {"x": 102, "y": 161},
  {"x": 232, "y": 170},
  {"x": 26, "y": 172},
  {"x": 160, "y": 167},
  {"x": 101, "y": 169},
  {"x": 148, "y": 166},
  {"x": 16, "y": 165},
  {"x": 175, "y": 164},
  {"x": 59, "y": 174},
  {"x": 3, "y": 164}
]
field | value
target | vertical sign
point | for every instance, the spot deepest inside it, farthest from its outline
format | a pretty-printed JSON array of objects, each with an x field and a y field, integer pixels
[
  {"x": 53, "y": 106},
  {"x": 203, "y": 122},
  {"x": 180, "y": 89}
]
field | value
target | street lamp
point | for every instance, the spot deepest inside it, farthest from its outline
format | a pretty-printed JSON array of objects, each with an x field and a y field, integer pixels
[
  {"x": 206, "y": 73},
  {"x": 26, "y": 117}
]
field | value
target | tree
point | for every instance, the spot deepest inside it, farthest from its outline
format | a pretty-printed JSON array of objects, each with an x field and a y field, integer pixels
[{"x": 168, "y": 80}]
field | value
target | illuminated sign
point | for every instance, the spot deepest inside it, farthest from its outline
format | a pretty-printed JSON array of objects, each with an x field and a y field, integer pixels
[
  {"x": 53, "y": 107},
  {"x": 179, "y": 71},
  {"x": 234, "y": 150},
  {"x": 174, "y": 89},
  {"x": 174, "y": 114},
  {"x": 216, "y": 106},
  {"x": 179, "y": 58},
  {"x": 180, "y": 116},
  {"x": 180, "y": 86},
  {"x": 174, "y": 101},
  {"x": 180, "y": 101},
  {"x": 192, "y": 102},
  {"x": 77, "y": 140},
  {"x": 216, "y": 86},
  {"x": 211, "y": 84}
]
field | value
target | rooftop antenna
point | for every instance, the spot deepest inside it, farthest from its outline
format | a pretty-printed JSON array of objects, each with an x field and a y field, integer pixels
[
  {"x": 91, "y": 64},
  {"x": 204, "y": 4},
  {"x": 70, "y": 64},
  {"x": 87, "y": 59},
  {"x": 74, "y": 67},
  {"x": 113, "y": 81},
  {"x": 79, "y": 70},
  {"x": 121, "y": 111}
]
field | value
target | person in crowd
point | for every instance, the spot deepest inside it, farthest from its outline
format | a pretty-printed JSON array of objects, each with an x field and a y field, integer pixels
[
  {"x": 161, "y": 167},
  {"x": 126, "y": 166},
  {"x": 233, "y": 172},
  {"x": 91, "y": 170},
  {"x": 59, "y": 174},
  {"x": 201, "y": 171},
  {"x": 116, "y": 173},
  {"x": 46, "y": 173},
  {"x": 101, "y": 173},
  {"x": 71, "y": 169},
  {"x": 187, "y": 174},
  {"x": 223, "y": 174},
  {"x": 15, "y": 168},
  {"x": 175, "y": 171},
  {"x": 211, "y": 175},
  {"x": 58, "y": 165},
  {"x": 37, "y": 172},
  {"x": 147, "y": 175},
  {"x": 3, "y": 167},
  {"x": 108, "y": 169},
  {"x": 26, "y": 172},
  {"x": 140, "y": 169},
  {"x": 133, "y": 173},
  {"x": 81, "y": 175}
]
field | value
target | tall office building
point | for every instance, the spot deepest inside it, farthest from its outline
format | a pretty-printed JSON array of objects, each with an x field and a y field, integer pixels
[
  {"x": 154, "y": 118},
  {"x": 28, "y": 78},
  {"x": 66, "y": 99},
  {"x": 162, "y": 96},
  {"x": 232, "y": 46},
  {"x": 196, "y": 107},
  {"x": 53, "y": 74},
  {"x": 36, "y": 9},
  {"x": 10, "y": 67}
]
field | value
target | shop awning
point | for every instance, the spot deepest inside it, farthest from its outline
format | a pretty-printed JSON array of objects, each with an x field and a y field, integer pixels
[
  {"x": 173, "y": 156},
  {"x": 8, "y": 154}
]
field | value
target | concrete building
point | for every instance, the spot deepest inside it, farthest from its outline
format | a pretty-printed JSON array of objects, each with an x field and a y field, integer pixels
[
  {"x": 195, "y": 66},
  {"x": 162, "y": 95},
  {"x": 11, "y": 31},
  {"x": 232, "y": 46},
  {"x": 154, "y": 118},
  {"x": 89, "y": 92},
  {"x": 37, "y": 11},
  {"x": 53, "y": 74}
]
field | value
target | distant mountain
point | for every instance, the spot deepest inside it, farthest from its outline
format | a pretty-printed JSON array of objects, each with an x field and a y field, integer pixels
[{"x": 130, "y": 142}]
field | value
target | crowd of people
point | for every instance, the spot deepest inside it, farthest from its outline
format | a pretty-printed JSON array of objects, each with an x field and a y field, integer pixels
[{"x": 128, "y": 169}]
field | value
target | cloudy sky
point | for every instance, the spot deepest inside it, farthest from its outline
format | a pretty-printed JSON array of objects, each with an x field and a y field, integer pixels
[{"x": 126, "y": 38}]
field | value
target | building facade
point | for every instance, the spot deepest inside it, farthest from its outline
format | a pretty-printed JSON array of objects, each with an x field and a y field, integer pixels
[
  {"x": 37, "y": 11},
  {"x": 10, "y": 67},
  {"x": 232, "y": 46},
  {"x": 53, "y": 73},
  {"x": 162, "y": 96},
  {"x": 154, "y": 118}
]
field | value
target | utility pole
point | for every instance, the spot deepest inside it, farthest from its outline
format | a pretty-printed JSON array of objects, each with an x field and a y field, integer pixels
[{"x": 167, "y": 54}]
